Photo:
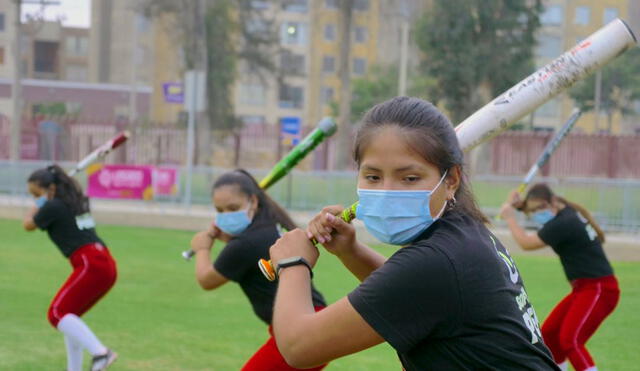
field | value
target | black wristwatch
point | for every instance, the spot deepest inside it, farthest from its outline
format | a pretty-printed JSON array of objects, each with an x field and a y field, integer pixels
[{"x": 290, "y": 262}]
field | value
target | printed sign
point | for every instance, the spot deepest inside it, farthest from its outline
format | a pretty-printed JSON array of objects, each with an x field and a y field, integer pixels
[
  {"x": 120, "y": 181},
  {"x": 290, "y": 131},
  {"x": 165, "y": 181},
  {"x": 173, "y": 92}
]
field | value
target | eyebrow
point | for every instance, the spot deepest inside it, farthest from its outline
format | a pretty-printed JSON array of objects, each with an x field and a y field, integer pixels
[
  {"x": 399, "y": 170},
  {"x": 407, "y": 168},
  {"x": 370, "y": 168}
]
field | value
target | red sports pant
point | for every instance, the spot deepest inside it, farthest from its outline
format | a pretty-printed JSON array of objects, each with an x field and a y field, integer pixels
[
  {"x": 94, "y": 273},
  {"x": 268, "y": 357},
  {"x": 576, "y": 318}
]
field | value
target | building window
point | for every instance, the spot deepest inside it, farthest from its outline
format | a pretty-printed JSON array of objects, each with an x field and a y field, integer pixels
[
  {"x": 292, "y": 64},
  {"x": 360, "y": 34},
  {"x": 328, "y": 64},
  {"x": 552, "y": 15},
  {"x": 293, "y": 33},
  {"x": 256, "y": 4},
  {"x": 77, "y": 45},
  {"x": 583, "y": 14},
  {"x": 298, "y": 6},
  {"x": 143, "y": 23},
  {"x": 1, "y": 22},
  {"x": 46, "y": 56},
  {"x": 252, "y": 94},
  {"x": 609, "y": 15},
  {"x": 331, "y": 4},
  {"x": 330, "y": 32},
  {"x": 257, "y": 26},
  {"x": 549, "y": 46},
  {"x": 252, "y": 119},
  {"x": 1, "y": 55},
  {"x": 327, "y": 94},
  {"x": 290, "y": 96},
  {"x": 359, "y": 66},
  {"x": 549, "y": 109},
  {"x": 361, "y": 5},
  {"x": 76, "y": 73}
]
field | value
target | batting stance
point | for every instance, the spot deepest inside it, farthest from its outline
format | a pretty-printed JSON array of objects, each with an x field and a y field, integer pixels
[
  {"x": 574, "y": 235},
  {"x": 63, "y": 211},
  {"x": 247, "y": 221},
  {"x": 450, "y": 299}
]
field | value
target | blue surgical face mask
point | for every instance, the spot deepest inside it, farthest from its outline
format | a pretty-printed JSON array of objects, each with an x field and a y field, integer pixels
[
  {"x": 396, "y": 217},
  {"x": 40, "y": 201},
  {"x": 234, "y": 222},
  {"x": 542, "y": 217}
]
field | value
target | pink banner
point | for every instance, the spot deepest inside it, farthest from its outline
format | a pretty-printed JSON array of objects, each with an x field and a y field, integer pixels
[
  {"x": 120, "y": 181},
  {"x": 165, "y": 181}
]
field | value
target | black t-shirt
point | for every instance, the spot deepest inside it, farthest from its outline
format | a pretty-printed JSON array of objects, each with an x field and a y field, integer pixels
[
  {"x": 576, "y": 242},
  {"x": 238, "y": 261},
  {"x": 67, "y": 230},
  {"x": 454, "y": 300}
]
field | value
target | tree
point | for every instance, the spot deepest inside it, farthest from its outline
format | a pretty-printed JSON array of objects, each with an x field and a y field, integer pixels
[
  {"x": 619, "y": 90},
  {"x": 234, "y": 31},
  {"x": 476, "y": 49},
  {"x": 380, "y": 84},
  {"x": 217, "y": 38}
]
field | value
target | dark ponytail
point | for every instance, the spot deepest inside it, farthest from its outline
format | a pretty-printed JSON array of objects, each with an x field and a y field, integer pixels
[
  {"x": 67, "y": 188},
  {"x": 429, "y": 133},
  {"x": 248, "y": 185},
  {"x": 542, "y": 191}
]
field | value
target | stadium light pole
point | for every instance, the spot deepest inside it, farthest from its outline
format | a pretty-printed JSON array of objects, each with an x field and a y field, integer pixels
[{"x": 16, "y": 87}]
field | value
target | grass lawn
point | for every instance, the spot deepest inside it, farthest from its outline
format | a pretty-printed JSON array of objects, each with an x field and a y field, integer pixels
[{"x": 157, "y": 318}]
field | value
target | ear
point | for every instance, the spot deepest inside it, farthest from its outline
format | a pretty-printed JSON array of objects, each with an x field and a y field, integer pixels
[
  {"x": 254, "y": 202},
  {"x": 51, "y": 191},
  {"x": 452, "y": 181}
]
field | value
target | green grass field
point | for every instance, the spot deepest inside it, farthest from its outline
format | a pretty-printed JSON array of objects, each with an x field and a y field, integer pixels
[{"x": 157, "y": 318}]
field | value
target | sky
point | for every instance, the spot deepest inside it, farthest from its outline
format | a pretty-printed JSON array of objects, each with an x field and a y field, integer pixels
[{"x": 75, "y": 13}]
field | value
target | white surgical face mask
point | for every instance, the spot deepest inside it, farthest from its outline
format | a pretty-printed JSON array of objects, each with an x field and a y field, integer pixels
[{"x": 396, "y": 217}]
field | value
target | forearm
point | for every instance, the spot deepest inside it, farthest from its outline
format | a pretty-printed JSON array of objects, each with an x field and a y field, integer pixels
[
  {"x": 517, "y": 231},
  {"x": 203, "y": 268},
  {"x": 292, "y": 309},
  {"x": 362, "y": 260},
  {"x": 27, "y": 222}
]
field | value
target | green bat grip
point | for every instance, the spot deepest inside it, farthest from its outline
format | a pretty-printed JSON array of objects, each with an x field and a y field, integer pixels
[{"x": 325, "y": 129}]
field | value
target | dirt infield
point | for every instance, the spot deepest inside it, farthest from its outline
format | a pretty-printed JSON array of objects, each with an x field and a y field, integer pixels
[{"x": 619, "y": 247}]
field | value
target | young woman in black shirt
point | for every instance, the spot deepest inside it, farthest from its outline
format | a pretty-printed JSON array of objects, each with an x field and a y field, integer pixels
[
  {"x": 62, "y": 210},
  {"x": 450, "y": 299},
  {"x": 248, "y": 221},
  {"x": 574, "y": 235}
]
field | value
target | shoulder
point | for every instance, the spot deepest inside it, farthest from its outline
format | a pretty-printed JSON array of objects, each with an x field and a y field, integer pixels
[
  {"x": 452, "y": 229},
  {"x": 423, "y": 260},
  {"x": 255, "y": 235},
  {"x": 53, "y": 206},
  {"x": 566, "y": 217}
]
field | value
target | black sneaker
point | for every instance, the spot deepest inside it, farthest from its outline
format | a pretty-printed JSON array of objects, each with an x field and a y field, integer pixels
[{"x": 101, "y": 362}]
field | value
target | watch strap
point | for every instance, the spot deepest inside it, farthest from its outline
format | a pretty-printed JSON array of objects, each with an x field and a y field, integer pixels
[{"x": 291, "y": 262}]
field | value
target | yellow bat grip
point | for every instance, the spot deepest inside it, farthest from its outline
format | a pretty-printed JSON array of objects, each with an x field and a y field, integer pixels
[{"x": 267, "y": 267}]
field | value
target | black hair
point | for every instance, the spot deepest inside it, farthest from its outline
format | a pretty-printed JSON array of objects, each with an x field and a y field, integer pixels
[
  {"x": 542, "y": 191},
  {"x": 247, "y": 185},
  {"x": 67, "y": 188},
  {"x": 429, "y": 133}
]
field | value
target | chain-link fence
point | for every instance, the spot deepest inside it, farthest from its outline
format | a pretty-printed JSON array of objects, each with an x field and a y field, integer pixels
[{"x": 615, "y": 203}]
